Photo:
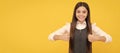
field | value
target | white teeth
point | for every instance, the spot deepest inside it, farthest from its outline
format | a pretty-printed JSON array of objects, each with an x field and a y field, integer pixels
[{"x": 80, "y": 17}]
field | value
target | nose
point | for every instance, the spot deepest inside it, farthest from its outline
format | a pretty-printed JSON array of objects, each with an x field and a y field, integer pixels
[{"x": 80, "y": 13}]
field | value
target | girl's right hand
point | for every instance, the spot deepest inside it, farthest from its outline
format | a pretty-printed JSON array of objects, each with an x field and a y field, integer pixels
[{"x": 65, "y": 36}]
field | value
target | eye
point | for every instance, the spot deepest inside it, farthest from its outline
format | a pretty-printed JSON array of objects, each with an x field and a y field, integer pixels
[
  {"x": 78, "y": 11},
  {"x": 84, "y": 12}
]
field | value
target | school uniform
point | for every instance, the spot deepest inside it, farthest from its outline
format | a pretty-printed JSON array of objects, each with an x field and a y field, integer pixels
[{"x": 80, "y": 39}]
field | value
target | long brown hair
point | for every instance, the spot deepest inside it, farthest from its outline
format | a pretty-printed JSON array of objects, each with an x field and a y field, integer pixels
[{"x": 73, "y": 25}]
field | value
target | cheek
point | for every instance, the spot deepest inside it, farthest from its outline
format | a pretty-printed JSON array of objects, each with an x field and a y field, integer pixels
[
  {"x": 77, "y": 14},
  {"x": 85, "y": 15}
]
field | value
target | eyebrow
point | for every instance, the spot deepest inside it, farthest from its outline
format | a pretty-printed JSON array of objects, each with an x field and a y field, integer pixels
[{"x": 80, "y": 10}]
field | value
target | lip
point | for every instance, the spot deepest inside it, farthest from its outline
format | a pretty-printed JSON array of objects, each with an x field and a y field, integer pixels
[{"x": 81, "y": 17}]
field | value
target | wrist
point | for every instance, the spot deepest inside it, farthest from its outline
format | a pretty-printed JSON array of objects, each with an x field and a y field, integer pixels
[
  {"x": 57, "y": 37},
  {"x": 101, "y": 38}
]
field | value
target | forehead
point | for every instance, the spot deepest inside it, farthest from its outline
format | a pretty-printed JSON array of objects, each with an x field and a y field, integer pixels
[{"x": 82, "y": 8}]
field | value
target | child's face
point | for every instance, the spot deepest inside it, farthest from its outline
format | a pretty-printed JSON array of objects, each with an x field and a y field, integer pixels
[{"x": 81, "y": 13}]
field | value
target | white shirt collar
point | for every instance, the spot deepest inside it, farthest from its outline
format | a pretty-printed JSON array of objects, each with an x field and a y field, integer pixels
[{"x": 80, "y": 26}]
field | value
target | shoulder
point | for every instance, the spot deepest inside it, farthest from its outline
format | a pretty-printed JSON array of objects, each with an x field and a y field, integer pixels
[
  {"x": 93, "y": 25},
  {"x": 67, "y": 24}
]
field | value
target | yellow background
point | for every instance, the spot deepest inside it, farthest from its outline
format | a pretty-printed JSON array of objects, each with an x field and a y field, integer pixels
[{"x": 26, "y": 24}]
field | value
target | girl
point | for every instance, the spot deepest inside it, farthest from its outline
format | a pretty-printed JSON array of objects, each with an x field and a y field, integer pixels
[{"x": 80, "y": 32}]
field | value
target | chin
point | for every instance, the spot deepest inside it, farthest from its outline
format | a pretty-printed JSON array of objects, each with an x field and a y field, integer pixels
[{"x": 81, "y": 20}]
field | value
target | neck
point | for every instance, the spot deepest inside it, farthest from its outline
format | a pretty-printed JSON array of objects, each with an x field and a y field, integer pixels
[{"x": 81, "y": 22}]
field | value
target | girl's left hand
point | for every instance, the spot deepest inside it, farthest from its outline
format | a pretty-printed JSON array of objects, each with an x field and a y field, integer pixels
[{"x": 92, "y": 38}]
